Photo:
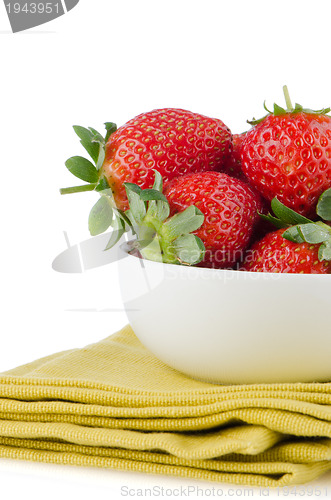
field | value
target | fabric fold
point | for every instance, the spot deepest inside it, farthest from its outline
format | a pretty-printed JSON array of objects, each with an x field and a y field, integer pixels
[{"x": 113, "y": 404}]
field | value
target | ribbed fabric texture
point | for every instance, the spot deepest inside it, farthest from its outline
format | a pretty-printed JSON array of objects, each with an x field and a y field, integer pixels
[{"x": 113, "y": 404}]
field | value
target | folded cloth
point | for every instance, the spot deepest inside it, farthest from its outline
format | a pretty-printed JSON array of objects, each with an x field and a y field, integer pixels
[{"x": 113, "y": 404}]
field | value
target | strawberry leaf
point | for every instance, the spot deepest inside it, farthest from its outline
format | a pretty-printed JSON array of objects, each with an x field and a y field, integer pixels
[
  {"x": 287, "y": 215},
  {"x": 152, "y": 194},
  {"x": 99, "y": 141},
  {"x": 324, "y": 251},
  {"x": 184, "y": 222},
  {"x": 111, "y": 128},
  {"x": 324, "y": 205},
  {"x": 158, "y": 181},
  {"x": 314, "y": 233},
  {"x": 293, "y": 234},
  {"x": 189, "y": 249},
  {"x": 97, "y": 137},
  {"x": 82, "y": 168},
  {"x": 133, "y": 187},
  {"x": 131, "y": 219},
  {"x": 87, "y": 140},
  {"x": 100, "y": 217},
  {"x": 102, "y": 185},
  {"x": 126, "y": 220},
  {"x": 101, "y": 156},
  {"x": 159, "y": 209},
  {"x": 273, "y": 220},
  {"x": 118, "y": 230},
  {"x": 278, "y": 110},
  {"x": 137, "y": 205}
]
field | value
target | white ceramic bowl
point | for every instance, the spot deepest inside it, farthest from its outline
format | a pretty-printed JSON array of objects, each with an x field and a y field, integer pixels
[{"x": 226, "y": 326}]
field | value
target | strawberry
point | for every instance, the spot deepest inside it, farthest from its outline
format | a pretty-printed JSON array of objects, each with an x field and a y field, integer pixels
[
  {"x": 234, "y": 165},
  {"x": 299, "y": 246},
  {"x": 288, "y": 154},
  {"x": 172, "y": 141},
  {"x": 275, "y": 254},
  {"x": 230, "y": 209}
]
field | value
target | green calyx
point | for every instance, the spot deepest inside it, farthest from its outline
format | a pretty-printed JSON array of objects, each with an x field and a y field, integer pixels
[
  {"x": 102, "y": 215},
  {"x": 159, "y": 237},
  {"x": 299, "y": 229},
  {"x": 279, "y": 111},
  {"x": 84, "y": 169}
]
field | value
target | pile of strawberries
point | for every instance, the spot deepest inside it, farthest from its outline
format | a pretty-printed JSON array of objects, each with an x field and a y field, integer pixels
[{"x": 195, "y": 194}]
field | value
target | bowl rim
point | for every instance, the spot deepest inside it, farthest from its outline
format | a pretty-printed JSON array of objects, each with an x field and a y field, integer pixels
[{"x": 127, "y": 248}]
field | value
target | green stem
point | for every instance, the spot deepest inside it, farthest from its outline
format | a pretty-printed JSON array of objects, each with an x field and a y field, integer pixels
[
  {"x": 287, "y": 98},
  {"x": 168, "y": 255},
  {"x": 163, "y": 241},
  {"x": 79, "y": 189}
]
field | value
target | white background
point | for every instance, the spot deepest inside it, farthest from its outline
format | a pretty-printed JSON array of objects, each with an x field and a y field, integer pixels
[{"x": 109, "y": 61}]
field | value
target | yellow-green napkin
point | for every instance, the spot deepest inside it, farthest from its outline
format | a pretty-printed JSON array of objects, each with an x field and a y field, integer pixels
[{"x": 113, "y": 404}]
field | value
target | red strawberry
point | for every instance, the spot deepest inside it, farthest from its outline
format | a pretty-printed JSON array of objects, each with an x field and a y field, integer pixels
[
  {"x": 230, "y": 209},
  {"x": 288, "y": 155},
  {"x": 234, "y": 164},
  {"x": 276, "y": 254},
  {"x": 172, "y": 141}
]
